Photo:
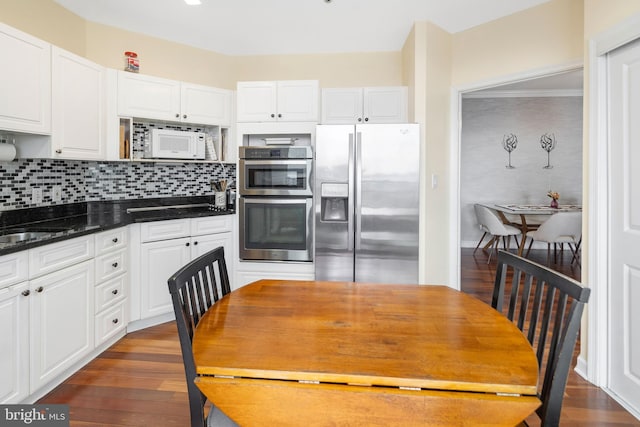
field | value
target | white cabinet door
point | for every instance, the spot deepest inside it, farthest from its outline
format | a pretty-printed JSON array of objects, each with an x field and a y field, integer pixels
[
  {"x": 204, "y": 244},
  {"x": 148, "y": 97},
  {"x": 205, "y": 105},
  {"x": 342, "y": 105},
  {"x": 78, "y": 100},
  {"x": 159, "y": 260},
  {"x": 297, "y": 101},
  {"x": 25, "y": 82},
  {"x": 365, "y": 105},
  {"x": 13, "y": 268},
  {"x": 257, "y": 101},
  {"x": 271, "y": 101},
  {"x": 385, "y": 104},
  {"x": 14, "y": 343},
  {"x": 61, "y": 318}
]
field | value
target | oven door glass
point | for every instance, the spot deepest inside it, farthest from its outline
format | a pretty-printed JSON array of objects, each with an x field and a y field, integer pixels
[
  {"x": 276, "y": 229},
  {"x": 275, "y": 178}
]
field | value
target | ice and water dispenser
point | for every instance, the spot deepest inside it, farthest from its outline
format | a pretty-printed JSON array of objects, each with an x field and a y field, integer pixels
[{"x": 334, "y": 202}]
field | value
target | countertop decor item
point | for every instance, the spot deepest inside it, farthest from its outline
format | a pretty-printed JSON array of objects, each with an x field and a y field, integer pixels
[
  {"x": 548, "y": 143},
  {"x": 509, "y": 143},
  {"x": 554, "y": 198}
]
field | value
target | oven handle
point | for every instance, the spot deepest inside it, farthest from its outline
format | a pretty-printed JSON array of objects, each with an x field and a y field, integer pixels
[
  {"x": 272, "y": 201},
  {"x": 303, "y": 162}
]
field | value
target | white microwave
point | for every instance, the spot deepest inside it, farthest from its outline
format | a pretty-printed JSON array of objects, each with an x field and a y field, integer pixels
[{"x": 175, "y": 144}]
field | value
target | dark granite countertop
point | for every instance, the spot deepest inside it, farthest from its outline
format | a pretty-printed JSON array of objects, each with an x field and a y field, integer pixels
[{"x": 51, "y": 224}]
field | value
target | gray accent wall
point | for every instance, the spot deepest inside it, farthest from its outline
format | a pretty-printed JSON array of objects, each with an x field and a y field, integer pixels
[{"x": 484, "y": 177}]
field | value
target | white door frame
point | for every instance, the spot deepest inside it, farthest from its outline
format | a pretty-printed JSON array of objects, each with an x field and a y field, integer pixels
[
  {"x": 454, "y": 155},
  {"x": 598, "y": 246}
]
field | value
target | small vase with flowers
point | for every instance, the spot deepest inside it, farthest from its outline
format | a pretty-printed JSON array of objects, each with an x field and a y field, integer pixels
[{"x": 554, "y": 198}]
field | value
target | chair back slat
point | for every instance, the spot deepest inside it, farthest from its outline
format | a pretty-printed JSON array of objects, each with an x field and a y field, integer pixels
[
  {"x": 194, "y": 289},
  {"x": 546, "y": 306}
]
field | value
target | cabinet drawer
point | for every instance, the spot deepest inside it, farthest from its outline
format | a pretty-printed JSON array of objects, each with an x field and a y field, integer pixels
[
  {"x": 13, "y": 268},
  {"x": 110, "y": 293},
  {"x": 111, "y": 240},
  {"x": 110, "y": 322},
  {"x": 55, "y": 256},
  {"x": 211, "y": 224},
  {"x": 164, "y": 230},
  {"x": 110, "y": 265}
]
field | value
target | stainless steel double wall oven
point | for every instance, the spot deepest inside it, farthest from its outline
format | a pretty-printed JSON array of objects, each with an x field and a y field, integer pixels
[{"x": 276, "y": 203}]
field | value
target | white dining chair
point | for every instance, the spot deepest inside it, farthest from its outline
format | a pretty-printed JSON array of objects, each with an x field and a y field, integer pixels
[
  {"x": 491, "y": 224},
  {"x": 560, "y": 228}
]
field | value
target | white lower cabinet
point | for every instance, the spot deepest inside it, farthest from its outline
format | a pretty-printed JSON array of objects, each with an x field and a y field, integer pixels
[
  {"x": 61, "y": 320},
  {"x": 250, "y": 271},
  {"x": 166, "y": 246},
  {"x": 112, "y": 284},
  {"x": 14, "y": 342}
]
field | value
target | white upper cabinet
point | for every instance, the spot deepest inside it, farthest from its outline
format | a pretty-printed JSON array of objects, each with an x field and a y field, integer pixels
[
  {"x": 25, "y": 82},
  {"x": 206, "y": 105},
  {"x": 364, "y": 105},
  {"x": 271, "y": 101},
  {"x": 156, "y": 98},
  {"x": 78, "y": 99}
]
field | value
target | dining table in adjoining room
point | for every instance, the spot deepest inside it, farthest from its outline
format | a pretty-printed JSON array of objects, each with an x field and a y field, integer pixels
[{"x": 284, "y": 352}]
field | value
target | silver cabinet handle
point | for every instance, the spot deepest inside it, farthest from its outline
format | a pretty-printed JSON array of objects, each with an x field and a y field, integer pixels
[
  {"x": 115, "y": 292},
  {"x": 58, "y": 151},
  {"x": 184, "y": 116},
  {"x": 115, "y": 240},
  {"x": 39, "y": 289},
  {"x": 26, "y": 293},
  {"x": 115, "y": 320},
  {"x": 177, "y": 115}
]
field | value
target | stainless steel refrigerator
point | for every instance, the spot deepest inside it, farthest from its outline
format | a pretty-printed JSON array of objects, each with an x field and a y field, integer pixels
[{"x": 367, "y": 197}]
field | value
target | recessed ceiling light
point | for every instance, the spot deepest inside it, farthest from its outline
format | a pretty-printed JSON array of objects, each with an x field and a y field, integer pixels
[{"x": 192, "y": 2}]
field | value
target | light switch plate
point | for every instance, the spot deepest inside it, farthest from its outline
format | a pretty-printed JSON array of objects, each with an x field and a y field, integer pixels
[
  {"x": 36, "y": 196},
  {"x": 56, "y": 193}
]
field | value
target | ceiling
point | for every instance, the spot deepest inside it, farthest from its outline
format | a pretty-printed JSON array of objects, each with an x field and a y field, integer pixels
[{"x": 261, "y": 27}]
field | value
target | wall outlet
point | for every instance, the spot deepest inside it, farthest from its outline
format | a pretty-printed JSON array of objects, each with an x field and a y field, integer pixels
[
  {"x": 36, "y": 196},
  {"x": 56, "y": 193}
]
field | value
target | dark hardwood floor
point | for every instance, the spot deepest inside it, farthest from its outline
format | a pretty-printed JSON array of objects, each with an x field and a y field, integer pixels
[{"x": 140, "y": 381}]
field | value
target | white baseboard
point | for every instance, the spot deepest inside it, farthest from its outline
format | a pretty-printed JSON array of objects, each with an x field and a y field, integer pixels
[{"x": 581, "y": 367}]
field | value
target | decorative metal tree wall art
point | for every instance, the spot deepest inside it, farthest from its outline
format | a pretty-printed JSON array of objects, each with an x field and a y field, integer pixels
[
  {"x": 509, "y": 143},
  {"x": 548, "y": 143}
]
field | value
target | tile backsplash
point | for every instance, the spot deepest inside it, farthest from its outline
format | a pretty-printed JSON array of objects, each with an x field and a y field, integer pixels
[{"x": 82, "y": 181}]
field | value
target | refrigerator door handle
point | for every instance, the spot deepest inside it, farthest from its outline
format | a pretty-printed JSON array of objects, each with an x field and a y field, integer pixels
[
  {"x": 350, "y": 217},
  {"x": 358, "y": 190}
]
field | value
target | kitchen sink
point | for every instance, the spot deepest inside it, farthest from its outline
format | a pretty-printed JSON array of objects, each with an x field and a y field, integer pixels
[{"x": 22, "y": 236}]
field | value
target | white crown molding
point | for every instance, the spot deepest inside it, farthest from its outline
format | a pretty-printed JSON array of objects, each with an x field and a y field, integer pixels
[{"x": 523, "y": 93}]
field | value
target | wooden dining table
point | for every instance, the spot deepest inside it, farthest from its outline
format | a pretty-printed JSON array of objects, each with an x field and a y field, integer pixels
[{"x": 312, "y": 353}]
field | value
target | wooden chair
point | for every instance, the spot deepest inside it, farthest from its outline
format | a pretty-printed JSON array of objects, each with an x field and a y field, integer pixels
[
  {"x": 547, "y": 307},
  {"x": 491, "y": 224},
  {"x": 194, "y": 289}
]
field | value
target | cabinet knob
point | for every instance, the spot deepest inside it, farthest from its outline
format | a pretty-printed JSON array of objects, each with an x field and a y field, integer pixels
[
  {"x": 273, "y": 115},
  {"x": 26, "y": 293},
  {"x": 279, "y": 115},
  {"x": 177, "y": 116},
  {"x": 195, "y": 243},
  {"x": 114, "y": 265},
  {"x": 184, "y": 116},
  {"x": 115, "y": 240},
  {"x": 187, "y": 244},
  {"x": 39, "y": 289},
  {"x": 115, "y": 292},
  {"x": 58, "y": 151},
  {"x": 359, "y": 119},
  {"x": 115, "y": 320},
  {"x": 366, "y": 119}
]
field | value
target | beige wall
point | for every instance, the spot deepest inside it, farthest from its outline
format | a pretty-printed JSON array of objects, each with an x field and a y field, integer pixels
[
  {"x": 540, "y": 37},
  {"x": 46, "y": 20},
  {"x": 106, "y": 45}
]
